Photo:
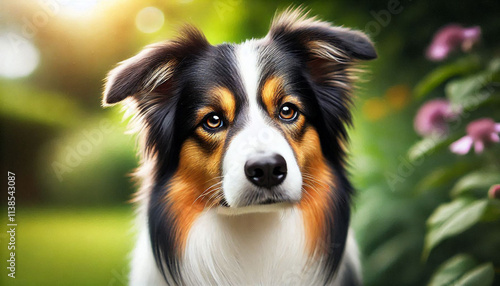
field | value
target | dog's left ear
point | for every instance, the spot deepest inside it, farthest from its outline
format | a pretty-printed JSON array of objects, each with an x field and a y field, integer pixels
[
  {"x": 324, "y": 45},
  {"x": 153, "y": 67}
]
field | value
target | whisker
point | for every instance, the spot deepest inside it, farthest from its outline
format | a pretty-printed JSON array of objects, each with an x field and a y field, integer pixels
[
  {"x": 312, "y": 179},
  {"x": 215, "y": 200},
  {"x": 313, "y": 188},
  {"x": 215, "y": 178},
  {"x": 207, "y": 191}
]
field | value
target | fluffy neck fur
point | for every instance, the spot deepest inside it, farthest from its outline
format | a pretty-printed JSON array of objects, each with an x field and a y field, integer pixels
[{"x": 251, "y": 249}]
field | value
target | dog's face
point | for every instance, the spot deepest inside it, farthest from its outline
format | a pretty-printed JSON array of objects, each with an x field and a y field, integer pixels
[
  {"x": 242, "y": 119},
  {"x": 247, "y": 125}
]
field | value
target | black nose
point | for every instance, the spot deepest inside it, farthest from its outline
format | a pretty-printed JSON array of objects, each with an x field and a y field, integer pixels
[{"x": 266, "y": 170}]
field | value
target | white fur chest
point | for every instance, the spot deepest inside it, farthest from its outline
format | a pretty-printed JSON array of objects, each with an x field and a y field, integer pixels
[{"x": 250, "y": 249}]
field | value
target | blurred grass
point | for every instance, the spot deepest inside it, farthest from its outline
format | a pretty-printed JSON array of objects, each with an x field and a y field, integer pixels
[{"x": 63, "y": 246}]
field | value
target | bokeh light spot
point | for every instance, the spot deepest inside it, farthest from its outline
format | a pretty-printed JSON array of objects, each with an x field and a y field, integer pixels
[
  {"x": 375, "y": 109},
  {"x": 19, "y": 56},
  {"x": 398, "y": 96},
  {"x": 149, "y": 20}
]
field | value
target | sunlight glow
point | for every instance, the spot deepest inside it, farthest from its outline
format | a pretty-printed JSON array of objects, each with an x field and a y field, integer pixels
[
  {"x": 78, "y": 7},
  {"x": 149, "y": 20},
  {"x": 19, "y": 56}
]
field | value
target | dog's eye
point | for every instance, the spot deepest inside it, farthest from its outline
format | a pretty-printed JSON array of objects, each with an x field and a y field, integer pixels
[
  {"x": 288, "y": 112},
  {"x": 213, "y": 121}
]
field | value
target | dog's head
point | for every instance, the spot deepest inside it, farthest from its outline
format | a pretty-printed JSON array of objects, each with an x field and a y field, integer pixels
[{"x": 253, "y": 124}]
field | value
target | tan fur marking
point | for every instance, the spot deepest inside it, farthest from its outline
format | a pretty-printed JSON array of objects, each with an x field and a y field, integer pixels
[
  {"x": 292, "y": 99},
  {"x": 202, "y": 112},
  {"x": 317, "y": 179},
  {"x": 225, "y": 98},
  {"x": 222, "y": 101},
  {"x": 271, "y": 92},
  {"x": 195, "y": 185}
]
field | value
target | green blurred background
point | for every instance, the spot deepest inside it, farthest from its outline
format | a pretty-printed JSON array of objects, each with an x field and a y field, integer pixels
[{"x": 71, "y": 158}]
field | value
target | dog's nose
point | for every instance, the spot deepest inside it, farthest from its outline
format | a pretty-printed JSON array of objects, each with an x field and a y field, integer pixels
[{"x": 266, "y": 170}]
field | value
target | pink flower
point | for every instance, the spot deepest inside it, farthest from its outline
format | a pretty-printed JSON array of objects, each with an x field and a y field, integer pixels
[
  {"x": 432, "y": 118},
  {"x": 448, "y": 38},
  {"x": 494, "y": 192},
  {"x": 480, "y": 132}
]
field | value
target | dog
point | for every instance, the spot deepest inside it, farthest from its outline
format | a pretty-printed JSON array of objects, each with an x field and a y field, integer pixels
[{"x": 243, "y": 175}]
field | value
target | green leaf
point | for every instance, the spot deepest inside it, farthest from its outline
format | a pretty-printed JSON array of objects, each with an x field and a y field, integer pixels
[
  {"x": 452, "y": 270},
  {"x": 466, "y": 92},
  {"x": 482, "y": 275},
  {"x": 442, "y": 73},
  {"x": 476, "y": 180},
  {"x": 446, "y": 211},
  {"x": 470, "y": 92},
  {"x": 426, "y": 146},
  {"x": 441, "y": 177},
  {"x": 462, "y": 270},
  {"x": 494, "y": 65},
  {"x": 435, "y": 179},
  {"x": 391, "y": 252},
  {"x": 451, "y": 219},
  {"x": 492, "y": 212}
]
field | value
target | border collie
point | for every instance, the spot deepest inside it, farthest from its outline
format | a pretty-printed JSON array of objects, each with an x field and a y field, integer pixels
[{"x": 243, "y": 156}]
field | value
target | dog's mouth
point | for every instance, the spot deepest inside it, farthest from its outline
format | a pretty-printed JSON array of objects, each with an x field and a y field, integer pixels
[
  {"x": 256, "y": 204},
  {"x": 259, "y": 199},
  {"x": 261, "y": 208},
  {"x": 223, "y": 203},
  {"x": 271, "y": 201}
]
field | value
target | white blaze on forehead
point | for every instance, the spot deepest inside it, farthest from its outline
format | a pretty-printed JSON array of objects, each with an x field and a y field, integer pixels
[
  {"x": 257, "y": 135},
  {"x": 248, "y": 65}
]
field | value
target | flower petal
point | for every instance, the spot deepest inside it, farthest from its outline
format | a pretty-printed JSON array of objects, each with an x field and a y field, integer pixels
[
  {"x": 494, "y": 192},
  {"x": 431, "y": 118},
  {"x": 497, "y": 127},
  {"x": 478, "y": 146},
  {"x": 472, "y": 33},
  {"x": 449, "y": 38},
  {"x": 462, "y": 145},
  {"x": 494, "y": 137},
  {"x": 438, "y": 52}
]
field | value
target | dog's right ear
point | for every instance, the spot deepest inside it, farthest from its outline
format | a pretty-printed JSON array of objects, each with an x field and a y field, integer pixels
[{"x": 152, "y": 67}]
